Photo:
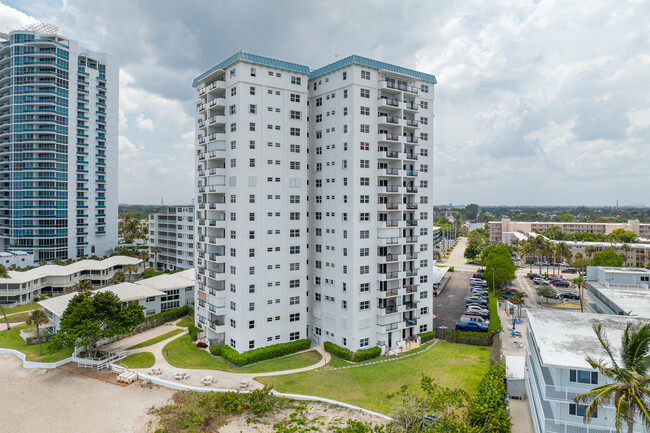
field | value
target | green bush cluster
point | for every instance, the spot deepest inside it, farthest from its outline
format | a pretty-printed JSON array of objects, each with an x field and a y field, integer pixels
[
  {"x": 488, "y": 410},
  {"x": 260, "y": 354},
  {"x": 451, "y": 269},
  {"x": 348, "y": 355},
  {"x": 164, "y": 317},
  {"x": 194, "y": 332},
  {"x": 427, "y": 336},
  {"x": 495, "y": 321},
  {"x": 468, "y": 337}
]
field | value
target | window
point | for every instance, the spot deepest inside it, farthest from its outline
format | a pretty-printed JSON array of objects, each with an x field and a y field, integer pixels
[
  {"x": 364, "y": 199},
  {"x": 365, "y": 111},
  {"x": 364, "y": 163},
  {"x": 252, "y": 90},
  {"x": 294, "y": 249},
  {"x": 365, "y": 75},
  {"x": 345, "y": 75},
  {"x": 295, "y": 80},
  {"x": 364, "y": 305},
  {"x": 364, "y": 234},
  {"x": 365, "y": 93},
  {"x": 253, "y": 72},
  {"x": 579, "y": 410},
  {"x": 294, "y": 199},
  {"x": 364, "y": 216},
  {"x": 233, "y": 109},
  {"x": 364, "y": 342},
  {"x": 233, "y": 127},
  {"x": 424, "y": 88},
  {"x": 251, "y": 126},
  {"x": 365, "y": 269},
  {"x": 364, "y": 287},
  {"x": 294, "y": 165},
  {"x": 295, "y": 98},
  {"x": 424, "y": 104},
  {"x": 364, "y": 181},
  {"x": 317, "y": 296},
  {"x": 233, "y": 91},
  {"x": 365, "y": 128},
  {"x": 296, "y": 114},
  {"x": 295, "y": 317},
  {"x": 294, "y": 132},
  {"x": 364, "y": 145},
  {"x": 319, "y": 118},
  {"x": 581, "y": 376},
  {"x": 295, "y": 148},
  {"x": 252, "y": 109},
  {"x": 293, "y": 336}
]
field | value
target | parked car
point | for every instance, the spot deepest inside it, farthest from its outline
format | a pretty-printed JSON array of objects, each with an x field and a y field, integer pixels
[
  {"x": 478, "y": 275},
  {"x": 570, "y": 271},
  {"x": 467, "y": 318},
  {"x": 481, "y": 293},
  {"x": 475, "y": 284},
  {"x": 475, "y": 310},
  {"x": 510, "y": 290},
  {"x": 539, "y": 281},
  {"x": 562, "y": 284},
  {"x": 569, "y": 295},
  {"x": 473, "y": 327},
  {"x": 533, "y": 276}
]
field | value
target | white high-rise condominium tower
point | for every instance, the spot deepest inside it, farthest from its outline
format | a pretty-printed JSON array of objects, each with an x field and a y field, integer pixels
[
  {"x": 58, "y": 145},
  {"x": 252, "y": 205},
  {"x": 343, "y": 212}
]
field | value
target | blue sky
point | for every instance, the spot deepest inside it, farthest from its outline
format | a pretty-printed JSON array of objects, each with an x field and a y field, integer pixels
[{"x": 543, "y": 102}]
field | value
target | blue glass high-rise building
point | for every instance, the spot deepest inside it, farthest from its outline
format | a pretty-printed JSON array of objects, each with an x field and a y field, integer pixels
[{"x": 58, "y": 145}]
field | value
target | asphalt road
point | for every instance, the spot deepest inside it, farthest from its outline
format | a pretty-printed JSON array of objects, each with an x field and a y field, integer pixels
[{"x": 449, "y": 305}]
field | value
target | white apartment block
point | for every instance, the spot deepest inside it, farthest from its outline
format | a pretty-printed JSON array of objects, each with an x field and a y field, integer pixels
[
  {"x": 22, "y": 286},
  {"x": 252, "y": 191},
  {"x": 58, "y": 146},
  {"x": 173, "y": 231},
  {"x": 558, "y": 343},
  {"x": 371, "y": 237},
  {"x": 313, "y": 194}
]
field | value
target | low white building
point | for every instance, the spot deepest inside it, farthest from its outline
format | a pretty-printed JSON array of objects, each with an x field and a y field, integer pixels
[
  {"x": 621, "y": 291},
  {"x": 21, "y": 286},
  {"x": 558, "y": 343},
  {"x": 156, "y": 295},
  {"x": 17, "y": 258}
]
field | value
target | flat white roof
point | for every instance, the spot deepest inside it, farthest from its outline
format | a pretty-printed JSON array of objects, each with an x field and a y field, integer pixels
[
  {"x": 17, "y": 277},
  {"x": 129, "y": 291},
  {"x": 601, "y": 244},
  {"x": 565, "y": 338},
  {"x": 515, "y": 366},
  {"x": 438, "y": 273},
  {"x": 635, "y": 302},
  {"x": 178, "y": 280}
]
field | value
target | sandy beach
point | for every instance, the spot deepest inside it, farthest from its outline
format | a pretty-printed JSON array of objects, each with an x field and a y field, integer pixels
[{"x": 58, "y": 401}]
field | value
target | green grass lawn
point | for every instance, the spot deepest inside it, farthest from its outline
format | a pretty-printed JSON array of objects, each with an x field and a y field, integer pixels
[
  {"x": 157, "y": 339},
  {"x": 138, "y": 360},
  {"x": 21, "y": 308},
  {"x": 16, "y": 318},
  {"x": 151, "y": 273},
  {"x": 452, "y": 365},
  {"x": 185, "y": 322},
  {"x": 182, "y": 353},
  {"x": 13, "y": 340}
]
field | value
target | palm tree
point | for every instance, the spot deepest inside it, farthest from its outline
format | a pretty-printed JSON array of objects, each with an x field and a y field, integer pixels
[
  {"x": 626, "y": 248},
  {"x": 118, "y": 277},
  {"x": 590, "y": 250},
  {"x": 548, "y": 250},
  {"x": 144, "y": 256},
  {"x": 562, "y": 251},
  {"x": 130, "y": 269},
  {"x": 526, "y": 249},
  {"x": 4, "y": 274},
  {"x": 38, "y": 318},
  {"x": 538, "y": 242},
  {"x": 629, "y": 389},
  {"x": 84, "y": 286},
  {"x": 436, "y": 255},
  {"x": 611, "y": 238},
  {"x": 580, "y": 284},
  {"x": 157, "y": 250}
]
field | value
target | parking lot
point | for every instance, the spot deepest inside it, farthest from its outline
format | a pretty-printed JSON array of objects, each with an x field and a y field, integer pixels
[{"x": 450, "y": 304}]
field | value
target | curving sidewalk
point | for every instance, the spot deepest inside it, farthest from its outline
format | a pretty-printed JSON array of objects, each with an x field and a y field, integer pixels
[{"x": 224, "y": 379}]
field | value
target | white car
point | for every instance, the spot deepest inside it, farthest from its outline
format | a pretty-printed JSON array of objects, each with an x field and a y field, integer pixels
[{"x": 478, "y": 310}]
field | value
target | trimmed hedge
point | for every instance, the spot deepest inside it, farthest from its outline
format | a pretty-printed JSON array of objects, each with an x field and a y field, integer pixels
[
  {"x": 260, "y": 354},
  {"x": 338, "y": 351},
  {"x": 488, "y": 409},
  {"x": 468, "y": 337},
  {"x": 348, "y": 355},
  {"x": 495, "y": 321},
  {"x": 427, "y": 336}
]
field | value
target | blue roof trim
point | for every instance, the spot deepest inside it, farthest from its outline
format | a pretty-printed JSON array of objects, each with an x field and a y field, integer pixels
[
  {"x": 257, "y": 60},
  {"x": 374, "y": 64}
]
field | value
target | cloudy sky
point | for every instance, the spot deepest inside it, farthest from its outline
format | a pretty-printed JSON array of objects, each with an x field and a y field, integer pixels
[{"x": 538, "y": 102}]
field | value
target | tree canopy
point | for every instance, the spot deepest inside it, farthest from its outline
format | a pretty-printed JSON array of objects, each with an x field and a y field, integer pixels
[
  {"x": 625, "y": 236},
  {"x": 499, "y": 266},
  {"x": 91, "y": 317},
  {"x": 607, "y": 257}
]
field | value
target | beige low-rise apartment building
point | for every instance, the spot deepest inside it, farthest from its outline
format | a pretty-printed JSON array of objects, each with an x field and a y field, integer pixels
[
  {"x": 636, "y": 255},
  {"x": 499, "y": 229}
]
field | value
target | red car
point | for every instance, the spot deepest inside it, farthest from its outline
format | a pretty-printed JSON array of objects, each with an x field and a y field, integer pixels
[{"x": 510, "y": 290}]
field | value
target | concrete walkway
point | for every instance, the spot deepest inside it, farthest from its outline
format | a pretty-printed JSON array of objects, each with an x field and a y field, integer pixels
[{"x": 224, "y": 379}]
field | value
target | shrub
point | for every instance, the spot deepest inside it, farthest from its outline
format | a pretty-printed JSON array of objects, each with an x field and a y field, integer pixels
[
  {"x": 364, "y": 354},
  {"x": 262, "y": 401},
  {"x": 260, "y": 354},
  {"x": 451, "y": 269},
  {"x": 488, "y": 410},
  {"x": 338, "y": 351},
  {"x": 495, "y": 321},
  {"x": 201, "y": 345},
  {"x": 468, "y": 337},
  {"x": 194, "y": 332},
  {"x": 427, "y": 336},
  {"x": 230, "y": 402},
  {"x": 348, "y": 355}
]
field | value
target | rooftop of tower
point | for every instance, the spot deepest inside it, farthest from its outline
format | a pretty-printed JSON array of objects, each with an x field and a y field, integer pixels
[{"x": 374, "y": 64}]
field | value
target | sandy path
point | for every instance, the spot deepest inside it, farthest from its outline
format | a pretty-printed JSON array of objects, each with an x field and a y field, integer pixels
[{"x": 58, "y": 401}]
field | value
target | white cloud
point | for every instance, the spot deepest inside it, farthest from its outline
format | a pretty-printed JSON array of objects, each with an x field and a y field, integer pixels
[
  {"x": 11, "y": 18},
  {"x": 127, "y": 148},
  {"x": 143, "y": 123}
]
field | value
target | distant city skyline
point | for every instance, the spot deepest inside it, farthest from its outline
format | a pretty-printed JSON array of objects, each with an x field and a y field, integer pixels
[{"x": 537, "y": 103}]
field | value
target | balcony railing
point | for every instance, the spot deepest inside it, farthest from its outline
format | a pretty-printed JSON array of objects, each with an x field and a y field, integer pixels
[{"x": 389, "y": 101}]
